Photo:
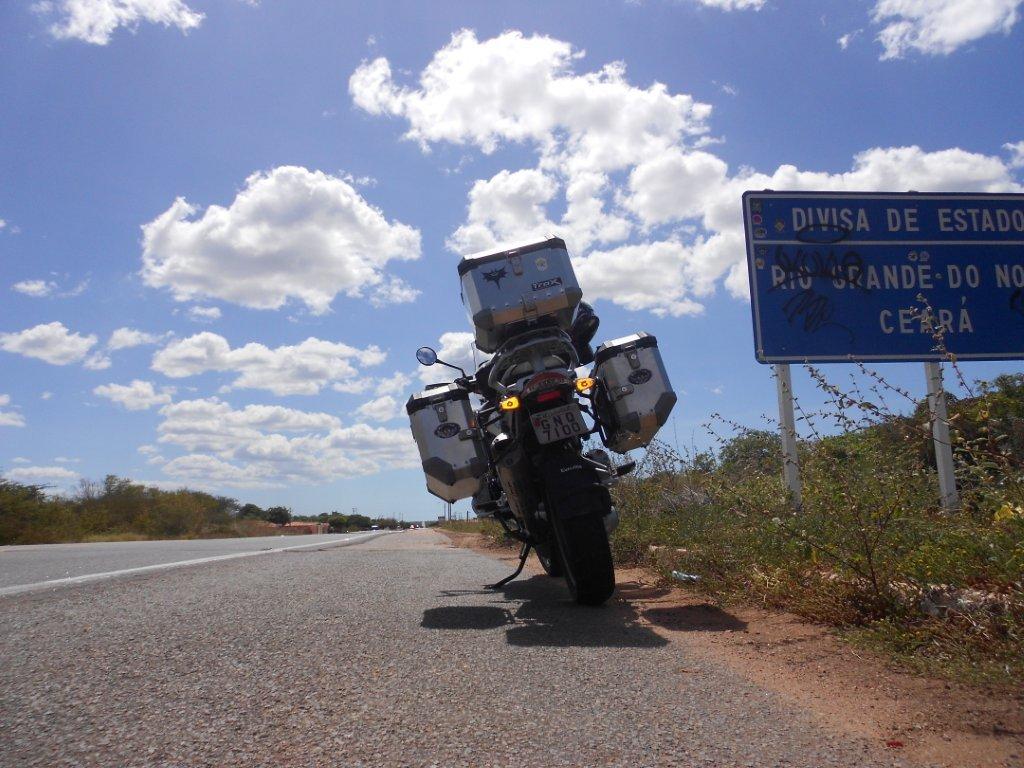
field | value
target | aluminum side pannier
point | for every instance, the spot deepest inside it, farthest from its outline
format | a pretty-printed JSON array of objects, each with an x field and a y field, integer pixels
[
  {"x": 506, "y": 290},
  {"x": 634, "y": 397},
  {"x": 450, "y": 447}
]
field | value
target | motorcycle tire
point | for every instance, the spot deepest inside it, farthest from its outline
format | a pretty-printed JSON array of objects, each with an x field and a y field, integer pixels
[
  {"x": 586, "y": 557},
  {"x": 550, "y": 559}
]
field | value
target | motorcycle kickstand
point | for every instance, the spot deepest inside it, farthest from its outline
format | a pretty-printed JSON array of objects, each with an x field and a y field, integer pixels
[{"x": 525, "y": 553}]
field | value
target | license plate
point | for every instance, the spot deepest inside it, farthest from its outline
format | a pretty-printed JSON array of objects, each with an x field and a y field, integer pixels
[{"x": 558, "y": 423}]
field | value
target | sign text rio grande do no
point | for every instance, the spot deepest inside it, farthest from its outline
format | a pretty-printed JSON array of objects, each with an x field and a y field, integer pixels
[{"x": 851, "y": 276}]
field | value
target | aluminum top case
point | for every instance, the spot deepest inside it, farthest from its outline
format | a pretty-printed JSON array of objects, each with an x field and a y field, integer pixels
[
  {"x": 506, "y": 290},
  {"x": 635, "y": 397},
  {"x": 450, "y": 446}
]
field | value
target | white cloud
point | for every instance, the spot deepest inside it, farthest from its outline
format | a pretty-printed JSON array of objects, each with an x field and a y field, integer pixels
[
  {"x": 78, "y": 290},
  {"x": 393, "y": 290},
  {"x": 290, "y": 233},
  {"x": 204, "y": 471},
  {"x": 845, "y": 40},
  {"x": 41, "y": 288},
  {"x": 66, "y": 460},
  {"x": 213, "y": 425},
  {"x": 359, "y": 181},
  {"x": 41, "y": 475},
  {"x": 51, "y": 342},
  {"x": 520, "y": 89},
  {"x": 45, "y": 395},
  {"x": 36, "y": 288},
  {"x": 647, "y": 276},
  {"x": 301, "y": 369},
  {"x": 1016, "y": 151},
  {"x": 125, "y": 338},
  {"x": 673, "y": 185},
  {"x": 651, "y": 215},
  {"x": 97, "y": 362},
  {"x": 171, "y": 485},
  {"x": 95, "y": 21},
  {"x": 506, "y": 207},
  {"x": 732, "y": 5},
  {"x": 137, "y": 396},
  {"x": 21, "y": 460},
  {"x": 396, "y": 384},
  {"x": 355, "y": 386},
  {"x": 269, "y": 445},
  {"x": 152, "y": 454},
  {"x": 10, "y": 418},
  {"x": 383, "y": 408},
  {"x": 939, "y": 27},
  {"x": 203, "y": 314}
]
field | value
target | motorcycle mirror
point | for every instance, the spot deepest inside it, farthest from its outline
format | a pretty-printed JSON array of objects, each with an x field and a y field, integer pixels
[{"x": 426, "y": 356}]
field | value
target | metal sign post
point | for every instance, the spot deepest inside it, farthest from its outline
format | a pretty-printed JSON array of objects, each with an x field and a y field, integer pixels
[
  {"x": 787, "y": 429},
  {"x": 940, "y": 435}
]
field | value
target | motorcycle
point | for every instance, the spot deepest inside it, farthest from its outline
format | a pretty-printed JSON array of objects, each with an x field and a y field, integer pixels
[{"x": 521, "y": 449}]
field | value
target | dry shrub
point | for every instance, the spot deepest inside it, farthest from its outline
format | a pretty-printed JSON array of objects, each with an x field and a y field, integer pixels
[{"x": 869, "y": 543}]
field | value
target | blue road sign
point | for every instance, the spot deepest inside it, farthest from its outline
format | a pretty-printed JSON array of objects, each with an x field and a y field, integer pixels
[{"x": 885, "y": 276}]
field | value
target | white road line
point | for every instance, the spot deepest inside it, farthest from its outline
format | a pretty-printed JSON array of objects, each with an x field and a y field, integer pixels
[{"x": 90, "y": 577}]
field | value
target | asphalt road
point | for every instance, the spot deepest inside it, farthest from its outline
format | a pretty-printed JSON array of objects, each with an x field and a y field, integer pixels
[
  {"x": 382, "y": 653},
  {"x": 24, "y": 568}
]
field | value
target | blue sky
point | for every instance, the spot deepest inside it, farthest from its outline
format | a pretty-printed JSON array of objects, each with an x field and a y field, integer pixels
[{"x": 228, "y": 225}]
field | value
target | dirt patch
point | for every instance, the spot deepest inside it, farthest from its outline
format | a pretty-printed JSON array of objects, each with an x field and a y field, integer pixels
[
  {"x": 484, "y": 546},
  {"x": 921, "y": 720}
]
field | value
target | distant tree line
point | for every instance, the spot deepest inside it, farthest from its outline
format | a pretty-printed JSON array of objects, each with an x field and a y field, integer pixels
[
  {"x": 117, "y": 508},
  {"x": 340, "y": 523}
]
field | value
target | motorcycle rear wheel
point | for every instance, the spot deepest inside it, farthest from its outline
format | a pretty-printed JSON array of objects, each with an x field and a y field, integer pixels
[
  {"x": 550, "y": 559},
  {"x": 587, "y": 557}
]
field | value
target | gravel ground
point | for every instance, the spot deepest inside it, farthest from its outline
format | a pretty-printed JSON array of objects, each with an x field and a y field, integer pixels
[{"x": 385, "y": 653}]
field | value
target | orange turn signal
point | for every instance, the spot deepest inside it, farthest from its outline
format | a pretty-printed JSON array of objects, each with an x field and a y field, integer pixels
[
  {"x": 510, "y": 403},
  {"x": 582, "y": 385}
]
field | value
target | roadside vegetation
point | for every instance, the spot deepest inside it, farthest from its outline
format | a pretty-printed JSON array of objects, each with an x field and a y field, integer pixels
[
  {"x": 870, "y": 550},
  {"x": 491, "y": 531},
  {"x": 117, "y": 509}
]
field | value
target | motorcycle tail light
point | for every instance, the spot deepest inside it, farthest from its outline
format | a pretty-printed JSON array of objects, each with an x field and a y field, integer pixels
[{"x": 551, "y": 394}]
